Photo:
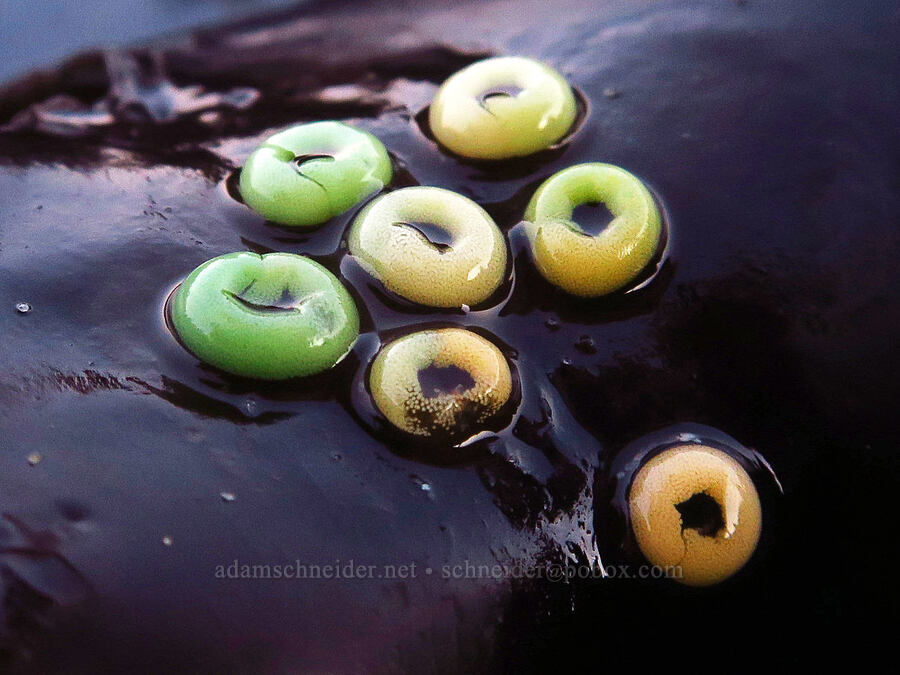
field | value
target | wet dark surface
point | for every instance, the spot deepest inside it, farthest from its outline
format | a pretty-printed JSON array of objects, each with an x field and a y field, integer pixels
[
  {"x": 37, "y": 34},
  {"x": 768, "y": 130}
]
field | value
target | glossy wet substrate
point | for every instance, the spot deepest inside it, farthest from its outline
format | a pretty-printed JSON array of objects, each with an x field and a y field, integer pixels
[{"x": 130, "y": 474}]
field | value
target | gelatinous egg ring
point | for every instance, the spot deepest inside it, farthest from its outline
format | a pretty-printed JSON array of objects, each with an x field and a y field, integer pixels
[
  {"x": 479, "y": 375},
  {"x": 502, "y": 107},
  {"x": 592, "y": 265},
  {"x": 307, "y": 174},
  {"x": 694, "y": 508},
  {"x": 273, "y": 316},
  {"x": 387, "y": 240}
]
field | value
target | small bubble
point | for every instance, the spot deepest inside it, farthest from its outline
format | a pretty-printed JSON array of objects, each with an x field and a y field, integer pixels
[
  {"x": 167, "y": 541},
  {"x": 35, "y": 458},
  {"x": 567, "y": 362},
  {"x": 611, "y": 93},
  {"x": 227, "y": 496},
  {"x": 336, "y": 456},
  {"x": 23, "y": 307},
  {"x": 552, "y": 323}
]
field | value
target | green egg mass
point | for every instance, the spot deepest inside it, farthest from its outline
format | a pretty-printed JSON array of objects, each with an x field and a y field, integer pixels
[
  {"x": 307, "y": 174},
  {"x": 592, "y": 265},
  {"x": 503, "y": 107},
  {"x": 272, "y": 317},
  {"x": 388, "y": 239}
]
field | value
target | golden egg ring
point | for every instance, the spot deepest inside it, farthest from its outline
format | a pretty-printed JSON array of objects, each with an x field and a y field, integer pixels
[
  {"x": 465, "y": 119},
  {"x": 657, "y": 499},
  {"x": 385, "y": 241},
  {"x": 398, "y": 393},
  {"x": 592, "y": 265}
]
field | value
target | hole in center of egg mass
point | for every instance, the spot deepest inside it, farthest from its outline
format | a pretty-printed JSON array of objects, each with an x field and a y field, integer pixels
[
  {"x": 439, "y": 380},
  {"x": 300, "y": 161},
  {"x": 434, "y": 234},
  {"x": 503, "y": 91},
  {"x": 701, "y": 513},
  {"x": 286, "y": 302},
  {"x": 592, "y": 218}
]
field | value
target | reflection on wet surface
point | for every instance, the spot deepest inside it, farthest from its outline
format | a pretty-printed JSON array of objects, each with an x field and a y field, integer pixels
[{"x": 766, "y": 318}]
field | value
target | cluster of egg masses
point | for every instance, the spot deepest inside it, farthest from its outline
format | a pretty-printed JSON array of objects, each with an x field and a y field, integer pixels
[{"x": 494, "y": 109}]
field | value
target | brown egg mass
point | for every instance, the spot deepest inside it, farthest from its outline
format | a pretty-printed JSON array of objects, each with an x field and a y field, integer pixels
[
  {"x": 695, "y": 507},
  {"x": 441, "y": 382}
]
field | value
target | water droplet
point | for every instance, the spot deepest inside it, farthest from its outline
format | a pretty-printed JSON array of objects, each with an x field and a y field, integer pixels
[
  {"x": 167, "y": 541},
  {"x": 552, "y": 323},
  {"x": 227, "y": 496},
  {"x": 586, "y": 345},
  {"x": 336, "y": 456},
  {"x": 72, "y": 511},
  {"x": 611, "y": 93},
  {"x": 424, "y": 485},
  {"x": 35, "y": 458},
  {"x": 23, "y": 307}
]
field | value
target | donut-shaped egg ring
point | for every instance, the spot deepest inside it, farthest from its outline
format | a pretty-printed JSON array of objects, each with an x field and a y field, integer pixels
[
  {"x": 502, "y": 107},
  {"x": 397, "y": 389},
  {"x": 695, "y": 508},
  {"x": 272, "y": 317},
  {"x": 307, "y": 174},
  {"x": 386, "y": 241},
  {"x": 592, "y": 265}
]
